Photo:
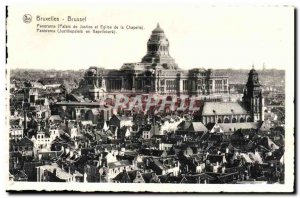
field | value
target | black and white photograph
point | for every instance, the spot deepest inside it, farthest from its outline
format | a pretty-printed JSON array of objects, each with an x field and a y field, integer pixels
[{"x": 150, "y": 98}]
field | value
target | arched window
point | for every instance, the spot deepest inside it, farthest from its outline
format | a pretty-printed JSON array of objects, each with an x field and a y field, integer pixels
[
  {"x": 233, "y": 120},
  {"x": 242, "y": 120},
  {"x": 249, "y": 119},
  {"x": 219, "y": 120},
  {"x": 226, "y": 120}
]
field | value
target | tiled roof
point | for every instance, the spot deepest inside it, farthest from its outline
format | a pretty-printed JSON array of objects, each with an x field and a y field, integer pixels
[
  {"x": 223, "y": 108},
  {"x": 47, "y": 155},
  {"x": 55, "y": 117},
  {"x": 184, "y": 125},
  {"x": 148, "y": 176},
  {"x": 24, "y": 142},
  {"x": 14, "y": 122},
  {"x": 268, "y": 143},
  {"x": 265, "y": 126},
  {"x": 215, "y": 158},
  {"x": 124, "y": 118},
  {"x": 198, "y": 126},
  {"x": 227, "y": 127},
  {"x": 126, "y": 176},
  {"x": 246, "y": 157},
  {"x": 155, "y": 130},
  {"x": 62, "y": 174},
  {"x": 255, "y": 157},
  {"x": 86, "y": 122},
  {"x": 119, "y": 164},
  {"x": 170, "y": 179},
  {"x": 151, "y": 152}
]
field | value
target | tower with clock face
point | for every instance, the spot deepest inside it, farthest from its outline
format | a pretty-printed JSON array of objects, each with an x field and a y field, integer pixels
[{"x": 253, "y": 99}]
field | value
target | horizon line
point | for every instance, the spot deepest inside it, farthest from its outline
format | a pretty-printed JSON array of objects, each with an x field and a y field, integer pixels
[{"x": 58, "y": 69}]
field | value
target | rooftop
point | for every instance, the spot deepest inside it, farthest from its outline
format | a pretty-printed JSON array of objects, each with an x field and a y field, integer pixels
[{"x": 223, "y": 108}]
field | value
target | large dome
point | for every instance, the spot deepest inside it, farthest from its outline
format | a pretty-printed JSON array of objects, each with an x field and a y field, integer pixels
[{"x": 158, "y": 50}]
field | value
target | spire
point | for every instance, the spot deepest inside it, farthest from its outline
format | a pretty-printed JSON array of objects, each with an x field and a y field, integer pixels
[
  {"x": 158, "y": 30},
  {"x": 252, "y": 66}
]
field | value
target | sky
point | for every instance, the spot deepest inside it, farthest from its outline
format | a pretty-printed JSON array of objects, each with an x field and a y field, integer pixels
[{"x": 209, "y": 37}]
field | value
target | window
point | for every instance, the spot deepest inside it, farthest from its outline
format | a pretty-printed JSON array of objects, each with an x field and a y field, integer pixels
[
  {"x": 185, "y": 85},
  {"x": 249, "y": 119}
]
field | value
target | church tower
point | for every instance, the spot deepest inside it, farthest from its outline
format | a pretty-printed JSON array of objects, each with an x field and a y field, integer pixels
[
  {"x": 253, "y": 98},
  {"x": 158, "y": 50}
]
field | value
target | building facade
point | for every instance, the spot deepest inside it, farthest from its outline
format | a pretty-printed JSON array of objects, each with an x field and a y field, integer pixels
[{"x": 157, "y": 73}]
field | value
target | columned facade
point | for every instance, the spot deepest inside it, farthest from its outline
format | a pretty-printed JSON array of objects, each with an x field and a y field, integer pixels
[{"x": 156, "y": 73}]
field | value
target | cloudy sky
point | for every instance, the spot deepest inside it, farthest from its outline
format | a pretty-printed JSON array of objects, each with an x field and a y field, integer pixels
[{"x": 209, "y": 37}]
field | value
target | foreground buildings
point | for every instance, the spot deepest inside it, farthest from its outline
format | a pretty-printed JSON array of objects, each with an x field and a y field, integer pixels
[{"x": 72, "y": 136}]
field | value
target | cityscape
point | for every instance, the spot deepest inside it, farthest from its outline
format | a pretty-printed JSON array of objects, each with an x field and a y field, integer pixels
[{"x": 148, "y": 122}]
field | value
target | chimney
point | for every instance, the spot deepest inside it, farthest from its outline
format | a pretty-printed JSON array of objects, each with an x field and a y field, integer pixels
[
  {"x": 40, "y": 157},
  {"x": 67, "y": 150},
  {"x": 84, "y": 177},
  {"x": 100, "y": 160},
  {"x": 38, "y": 126},
  {"x": 153, "y": 174},
  {"x": 25, "y": 120}
]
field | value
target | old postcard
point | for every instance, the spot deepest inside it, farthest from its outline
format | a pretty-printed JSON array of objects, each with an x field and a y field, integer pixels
[{"x": 136, "y": 98}]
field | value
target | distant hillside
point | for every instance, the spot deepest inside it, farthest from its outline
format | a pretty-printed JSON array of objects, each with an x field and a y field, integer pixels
[
  {"x": 267, "y": 77},
  {"x": 33, "y": 74}
]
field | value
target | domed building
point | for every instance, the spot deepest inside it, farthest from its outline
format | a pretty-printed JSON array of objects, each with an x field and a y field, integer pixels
[
  {"x": 157, "y": 73},
  {"x": 158, "y": 51}
]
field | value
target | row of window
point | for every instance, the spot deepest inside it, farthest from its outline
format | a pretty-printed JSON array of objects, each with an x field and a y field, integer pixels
[
  {"x": 171, "y": 85},
  {"x": 115, "y": 84},
  {"x": 227, "y": 120}
]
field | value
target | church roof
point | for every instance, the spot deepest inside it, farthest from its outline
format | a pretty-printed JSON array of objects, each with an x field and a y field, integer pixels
[
  {"x": 223, "y": 108},
  {"x": 227, "y": 127}
]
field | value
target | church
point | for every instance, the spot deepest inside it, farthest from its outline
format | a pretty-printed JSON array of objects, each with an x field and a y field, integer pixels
[
  {"x": 157, "y": 73},
  {"x": 250, "y": 109}
]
